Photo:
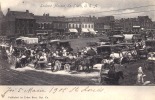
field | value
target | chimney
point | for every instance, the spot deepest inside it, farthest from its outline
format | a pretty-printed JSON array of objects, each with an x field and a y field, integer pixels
[
  {"x": 8, "y": 9},
  {"x": 0, "y": 6},
  {"x": 27, "y": 11}
]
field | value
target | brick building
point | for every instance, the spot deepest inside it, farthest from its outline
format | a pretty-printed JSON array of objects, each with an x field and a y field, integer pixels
[
  {"x": 18, "y": 23},
  {"x": 105, "y": 23},
  {"x": 81, "y": 24},
  {"x": 136, "y": 24},
  {"x": 1, "y": 20},
  {"x": 47, "y": 24}
]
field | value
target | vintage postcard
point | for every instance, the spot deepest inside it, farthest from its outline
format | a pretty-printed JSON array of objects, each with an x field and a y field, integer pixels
[{"x": 77, "y": 49}]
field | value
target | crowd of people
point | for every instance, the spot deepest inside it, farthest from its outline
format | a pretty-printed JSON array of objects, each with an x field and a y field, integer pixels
[{"x": 44, "y": 56}]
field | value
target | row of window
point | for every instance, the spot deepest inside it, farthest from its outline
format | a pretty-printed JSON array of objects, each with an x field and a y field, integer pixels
[
  {"x": 64, "y": 25},
  {"x": 79, "y": 26}
]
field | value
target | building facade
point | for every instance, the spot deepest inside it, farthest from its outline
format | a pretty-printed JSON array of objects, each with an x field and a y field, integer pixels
[
  {"x": 136, "y": 24},
  {"x": 81, "y": 24},
  {"x": 105, "y": 23},
  {"x": 47, "y": 24},
  {"x": 18, "y": 23},
  {"x": 1, "y": 21}
]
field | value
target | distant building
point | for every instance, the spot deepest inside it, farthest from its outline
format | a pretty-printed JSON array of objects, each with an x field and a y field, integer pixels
[
  {"x": 81, "y": 24},
  {"x": 45, "y": 24},
  {"x": 153, "y": 25},
  {"x": 19, "y": 23},
  {"x": 1, "y": 20},
  {"x": 60, "y": 27},
  {"x": 105, "y": 23},
  {"x": 135, "y": 24}
]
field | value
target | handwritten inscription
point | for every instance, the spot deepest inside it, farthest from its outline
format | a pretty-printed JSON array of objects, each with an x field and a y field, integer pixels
[
  {"x": 70, "y": 5},
  {"x": 51, "y": 90}
]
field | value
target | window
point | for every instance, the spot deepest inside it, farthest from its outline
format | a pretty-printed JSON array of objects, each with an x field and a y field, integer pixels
[
  {"x": 89, "y": 26},
  {"x": 78, "y": 26},
  {"x": 71, "y": 25},
  {"x": 85, "y": 25},
  {"x": 39, "y": 25},
  {"x": 45, "y": 25},
  {"x": 82, "y": 26}
]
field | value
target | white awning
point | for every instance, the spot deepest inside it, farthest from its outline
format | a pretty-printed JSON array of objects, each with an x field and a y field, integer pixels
[
  {"x": 31, "y": 40},
  {"x": 85, "y": 30},
  {"x": 73, "y": 30},
  {"x": 118, "y": 36},
  {"x": 51, "y": 41},
  {"x": 28, "y": 40},
  {"x": 136, "y": 26},
  {"x": 128, "y": 36},
  {"x": 92, "y": 31},
  {"x": 42, "y": 33},
  {"x": 22, "y": 38}
]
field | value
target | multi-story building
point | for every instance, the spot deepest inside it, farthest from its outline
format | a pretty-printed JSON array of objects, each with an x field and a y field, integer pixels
[
  {"x": 46, "y": 24},
  {"x": 60, "y": 26},
  {"x": 1, "y": 20},
  {"x": 105, "y": 23},
  {"x": 81, "y": 24},
  {"x": 19, "y": 23},
  {"x": 136, "y": 24},
  {"x": 145, "y": 22}
]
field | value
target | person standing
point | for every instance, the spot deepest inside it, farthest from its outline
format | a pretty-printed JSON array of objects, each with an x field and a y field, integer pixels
[{"x": 140, "y": 76}]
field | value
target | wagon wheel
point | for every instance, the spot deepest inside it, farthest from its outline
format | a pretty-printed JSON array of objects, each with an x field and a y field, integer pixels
[
  {"x": 100, "y": 76},
  {"x": 67, "y": 67},
  {"x": 80, "y": 67},
  {"x": 57, "y": 65},
  {"x": 13, "y": 60},
  {"x": 103, "y": 61}
]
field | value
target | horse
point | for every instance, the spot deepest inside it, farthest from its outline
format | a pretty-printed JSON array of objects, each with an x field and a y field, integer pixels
[
  {"x": 124, "y": 56},
  {"x": 85, "y": 63},
  {"x": 107, "y": 61},
  {"x": 149, "y": 65},
  {"x": 113, "y": 77},
  {"x": 108, "y": 74}
]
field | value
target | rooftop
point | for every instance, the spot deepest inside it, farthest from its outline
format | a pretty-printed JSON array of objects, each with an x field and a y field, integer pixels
[{"x": 12, "y": 15}]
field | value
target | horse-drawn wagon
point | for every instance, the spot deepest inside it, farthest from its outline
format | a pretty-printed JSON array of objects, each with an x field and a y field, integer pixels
[
  {"x": 109, "y": 74},
  {"x": 63, "y": 63}
]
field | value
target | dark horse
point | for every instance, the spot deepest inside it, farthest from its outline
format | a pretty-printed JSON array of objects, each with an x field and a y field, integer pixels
[
  {"x": 113, "y": 77},
  {"x": 85, "y": 62}
]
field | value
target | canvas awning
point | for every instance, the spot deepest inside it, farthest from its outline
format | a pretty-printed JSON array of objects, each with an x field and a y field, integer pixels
[
  {"x": 28, "y": 40},
  {"x": 128, "y": 36},
  {"x": 22, "y": 38},
  {"x": 42, "y": 33},
  {"x": 84, "y": 30},
  {"x": 118, "y": 36},
  {"x": 73, "y": 30},
  {"x": 92, "y": 31},
  {"x": 51, "y": 41}
]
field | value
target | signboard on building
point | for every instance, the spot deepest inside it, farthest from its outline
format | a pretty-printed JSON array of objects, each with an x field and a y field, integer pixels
[
  {"x": 136, "y": 26},
  {"x": 106, "y": 27}
]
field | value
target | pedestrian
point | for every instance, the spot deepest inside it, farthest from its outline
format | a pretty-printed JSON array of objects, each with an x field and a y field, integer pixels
[
  {"x": 140, "y": 76},
  {"x": 43, "y": 60}
]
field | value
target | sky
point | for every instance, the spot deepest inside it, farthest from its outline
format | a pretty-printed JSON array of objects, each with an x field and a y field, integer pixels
[{"x": 71, "y": 8}]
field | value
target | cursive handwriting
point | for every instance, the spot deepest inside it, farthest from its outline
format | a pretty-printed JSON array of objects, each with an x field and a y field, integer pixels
[
  {"x": 53, "y": 90},
  {"x": 9, "y": 90},
  {"x": 70, "y": 5}
]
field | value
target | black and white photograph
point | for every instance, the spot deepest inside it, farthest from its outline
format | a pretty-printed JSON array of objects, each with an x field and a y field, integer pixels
[{"x": 77, "y": 42}]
